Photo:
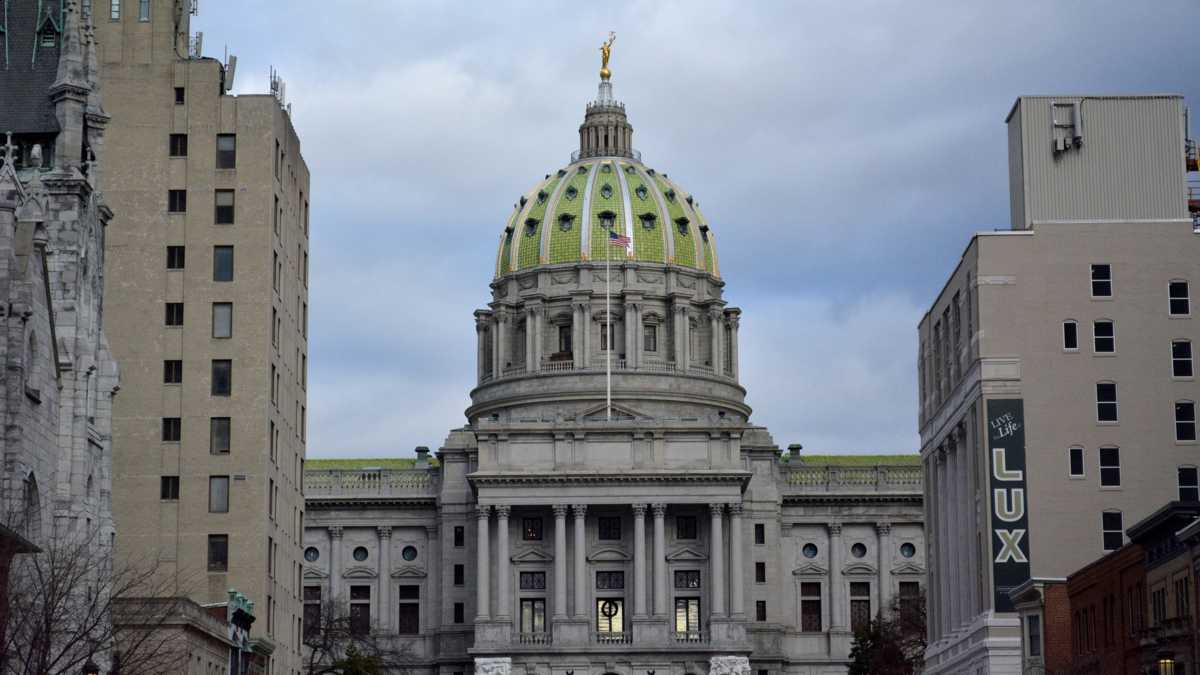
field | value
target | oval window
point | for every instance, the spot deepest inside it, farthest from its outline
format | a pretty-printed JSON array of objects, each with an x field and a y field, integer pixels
[
  {"x": 858, "y": 550},
  {"x": 360, "y": 553},
  {"x": 409, "y": 553},
  {"x": 809, "y": 550},
  {"x": 908, "y": 550},
  {"x": 571, "y": 192},
  {"x": 311, "y": 554}
]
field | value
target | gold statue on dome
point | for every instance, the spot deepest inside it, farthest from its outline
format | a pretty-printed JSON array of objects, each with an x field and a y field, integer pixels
[{"x": 605, "y": 53}]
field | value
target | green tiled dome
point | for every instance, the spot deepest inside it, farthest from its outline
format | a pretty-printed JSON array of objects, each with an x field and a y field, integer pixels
[{"x": 562, "y": 219}]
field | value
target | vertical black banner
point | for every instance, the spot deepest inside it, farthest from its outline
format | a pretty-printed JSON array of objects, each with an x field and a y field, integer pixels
[{"x": 1010, "y": 516}]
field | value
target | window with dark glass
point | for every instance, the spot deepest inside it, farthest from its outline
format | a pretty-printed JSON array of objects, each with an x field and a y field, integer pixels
[
  {"x": 178, "y": 145},
  {"x": 687, "y": 578},
  {"x": 687, "y": 618},
  {"x": 1075, "y": 460},
  {"x": 1185, "y": 421},
  {"x": 1102, "y": 281},
  {"x": 760, "y": 572},
  {"x": 223, "y": 207},
  {"x": 176, "y": 201},
  {"x": 172, "y": 371},
  {"x": 1180, "y": 302},
  {"x": 1033, "y": 623},
  {"x": 171, "y": 429},
  {"x": 222, "y": 377},
  {"x": 610, "y": 616},
  {"x": 760, "y": 533},
  {"x": 1110, "y": 467},
  {"x": 1106, "y": 401},
  {"x": 459, "y": 574},
  {"x": 609, "y": 528},
  {"x": 1189, "y": 485},
  {"x": 810, "y": 607},
  {"x": 532, "y": 581},
  {"x": 533, "y": 615},
  {"x": 760, "y": 610},
  {"x": 459, "y": 612},
  {"x": 169, "y": 488},
  {"x": 226, "y": 151},
  {"x": 910, "y": 596},
  {"x": 459, "y": 536},
  {"x": 180, "y": 92},
  {"x": 685, "y": 527},
  {"x": 1104, "y": 336},
  {"x": 1070, "y": 335},
  {"x": 409, "y": 622},
  {"x": 174, "y": 314},
  {"x": 1112, "y": 531},
  {"x": 222, "y": 263},
  {"x": 218, "y": 553},
  {"x": 175, "y": 257},
  {"x": 650, "y": 338},
  {"x": 218, "y": 435},
  {"x": 860, "y": 605},
  {"x": 360, "y": 610},
  {"x": 610, "y": 581},
  {"x": 531, "y": 529},
  {"x": 1181, "y": 358},
  {"x": 312, "y": 612}
]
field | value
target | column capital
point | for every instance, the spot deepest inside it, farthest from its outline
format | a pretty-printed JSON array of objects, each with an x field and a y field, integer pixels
[
  {"x": 639, "y": 510},
  {"x": 883, "y": 528},
  {"x": 483, "y": 511},
  {"x": 580, "y": 510},
  {"x": 384, "y": 531},
  {"x": 835, "y": 529},
  {"x": 660, "y": 510},
  {"x": 716, "y": 509},
  {"x": 335, "y": 531},
  {"x": 502, "y": 511},
  {"x": 560, "y": 510},
  {"x": 735, "y": 509}
]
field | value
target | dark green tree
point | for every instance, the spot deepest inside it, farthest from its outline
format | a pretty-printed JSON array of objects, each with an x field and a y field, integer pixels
[{"x": 893, "y": 643}]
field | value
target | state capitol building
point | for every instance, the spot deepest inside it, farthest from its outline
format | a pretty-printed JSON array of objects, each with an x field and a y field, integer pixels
[{"x": 664, "y": 534}]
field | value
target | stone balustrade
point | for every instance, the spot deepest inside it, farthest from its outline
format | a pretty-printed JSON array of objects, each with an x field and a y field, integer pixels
[
  {"x": 847, "y": 479},
  {"x": 369, "y": 482}
]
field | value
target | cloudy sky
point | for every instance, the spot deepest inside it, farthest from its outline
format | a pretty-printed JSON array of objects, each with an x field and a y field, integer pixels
[{"x": 844, "y": 152}]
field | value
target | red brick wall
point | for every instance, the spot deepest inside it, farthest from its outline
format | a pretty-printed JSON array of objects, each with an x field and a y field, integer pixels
[
  {"x": 1056, "y": 635},
  {"x": 1112, "y": 576}
]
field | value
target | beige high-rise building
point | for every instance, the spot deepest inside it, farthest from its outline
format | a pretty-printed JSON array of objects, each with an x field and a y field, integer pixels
[
  {"x": 207, "y": 285},
  {"x": 1057, "y": 388}
]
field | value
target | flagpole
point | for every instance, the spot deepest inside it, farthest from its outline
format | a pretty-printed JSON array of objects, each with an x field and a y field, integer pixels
[{"x": 608, "y": 329}]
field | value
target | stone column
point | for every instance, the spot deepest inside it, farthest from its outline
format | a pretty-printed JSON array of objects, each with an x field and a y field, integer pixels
[
  {"x": 716, "y": 556},
  {"x": 681, "y": 358},
  {"x": 932, "y": 541},
  {"x": 639, "y": 560},
  {"x": 883, "y": 535},
  {"x": 972, "y": 530},
  {"x": 587, "y": 334},
  {"x": 837, "y": 592},
  {"x": 954, "y": 541},
  {"x": 385, "y": 577},
  {"x": 483, "y": 568},
  {"x": 530, "y": 336},
  {"x": 501, "y": 342},
  {"x": 630, "y": 343},
  {"x": 335, "y": 562},
  {"x": 560, "y": 561},
  {"x": 503, "y": 571},
  {"x": 495, "y": 347},
  {"x": 635, "y": 349},
  {"x": 944, "y": 573},
  {"x": 577, "y": 327},
  {"x": 481, "y": 351},
  {"x": 737, "y": 581},
  {"x": 432, "y": 620},
  {"x": 714, "y": 321},
  {"x": 734, "y": 322},
  {"x": 581, "y": 585},
  {"x": 539, "y": 336},
  {"x": 660, "y": 559}
]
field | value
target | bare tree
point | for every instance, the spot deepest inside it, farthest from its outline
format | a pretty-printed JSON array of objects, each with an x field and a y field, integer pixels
[
  {"x": 340, "y": 642},
  {"x": 61, "y": 610}
]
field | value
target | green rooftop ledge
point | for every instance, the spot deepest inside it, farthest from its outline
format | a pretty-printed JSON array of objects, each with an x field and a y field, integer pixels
[
  {"x": 810, "y": 460},
  {"x": 860, "y": 460},
  {"x": 360, "y": 464}
]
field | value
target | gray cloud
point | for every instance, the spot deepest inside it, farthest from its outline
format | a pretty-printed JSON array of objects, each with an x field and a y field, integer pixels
[{"x": 844, "y": 152}]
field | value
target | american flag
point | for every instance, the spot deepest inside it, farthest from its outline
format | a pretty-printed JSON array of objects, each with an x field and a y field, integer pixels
[{"x": 618, "y": 239}]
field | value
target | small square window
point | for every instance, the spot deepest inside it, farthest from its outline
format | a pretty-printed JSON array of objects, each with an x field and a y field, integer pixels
[
  {"x": 1102, "y": 281},
  {"x": 687, "y": 579},
  {"x": 169, "y": 488},
  {"x": 176, "y": 201},
  {"x": 172, "y": 429},
  {"x": 609, "y": 528},
  {"x": 760, "y": 533},
  {"x": 222, "y": 319},
  {"x": 172, "y": 371},
  {"x": 685, "y": 527},
  {"x": 223, "y": 207},
  {"x": 176, "y": 257},
  {"x": 533, "y": 581},
  {"x": 531, "y": 529},
  {"x": 1075, "y": 460},
  {"x": 219, "y": 435},
  {"x": 222, "y": 377},
  {"x": 174, "y": 314},
  {"x": 178, "y": 145},
  {"x": 180, "y": 95},
  {"x": 226, "y": 151}
]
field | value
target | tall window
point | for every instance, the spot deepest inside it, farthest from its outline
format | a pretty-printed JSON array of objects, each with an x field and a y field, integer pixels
[
  {"x": 1102, "y": 281},
  {"x": 760, "y": 610},
  {"x": 219, "y": 435},
  {"x": 218, "y": 553},
  {"x": 143, "y": 10},
  {"x": 114, "y": 10},
  {"x": 564, "y": 339},
  {"x": 687, "y": 618},
  {"x": 360, "y": 610},
  {"x": 810, "y": 607},
  {"x": 1106, "y": 401},
  {"x": 1112, "y": 532},
  {"x": 1104, "y": 336},
  {"x": 460, "y": 574},
  {"x": 222, "y": 377},
  {"x": 460, "y": 536},
  {"x": 760, "y": 572},
  {"x": 223, "y": 207},
  {"x": 860, "y": 605},
  {"x": 1110, "y": 467},
  {"x": 218, "y": 494},
  {"x": 1033, "y": 624},
  {"x": 533, "y": 615},
  {"x": 222, "y": 319},
  {"x": 650, "y": 338},
  {"x": 610, "y": 618},
  {"x": 410, "y": 611},
  {"x": 312, "y": 612},
  {"x": 460, "y": 612},
  {"x": 222, "y": 263},
  {"x": 1075, "y": 462},
  {"x": 1179, "y": 300},
  {"x": 226, "y": 151},
  {"x": 1189, "y": 485},
  {"x": 1185, "y": 421},
  {"x": 760, "y": 533},
  {"x": 1181, "y": 358},
  {"x": 1070, "y": 335},
  {"x": 604, "y": 333}
]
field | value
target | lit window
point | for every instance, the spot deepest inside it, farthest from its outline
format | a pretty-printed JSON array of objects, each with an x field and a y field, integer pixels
[
  {"x": 1189, "y": 484},
  {"x": 1110, "y": 467},
  {"x": 114, "y": 10},
  {"x": 1102, "y": 281},
  {"x": 1075, "y": 461},
  {"x": 1104, "y": 336},
  {"x": 1180, "y": 303},
  {"x": 1185, "y": 421},
  {"x": 1106, "y": 401},
  {"x": 1112, "y": 532},
  {"x": 687, "y": 619}
]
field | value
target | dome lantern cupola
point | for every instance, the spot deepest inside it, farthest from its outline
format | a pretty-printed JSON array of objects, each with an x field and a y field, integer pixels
[{"x": 605, "y": 131}]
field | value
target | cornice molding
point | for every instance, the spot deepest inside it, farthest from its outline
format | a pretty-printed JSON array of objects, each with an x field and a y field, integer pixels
[{"x": 637, "y": 477}]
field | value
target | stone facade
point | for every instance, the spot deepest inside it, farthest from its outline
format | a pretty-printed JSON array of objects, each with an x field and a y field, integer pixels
[
  {"x": 59, "y": 377},
  {"x": 556, "y": 534}
]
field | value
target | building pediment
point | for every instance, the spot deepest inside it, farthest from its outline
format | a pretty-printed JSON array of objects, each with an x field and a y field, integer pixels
[
  {"x": 532, "y": 556},
  {"x": 310, "y": 573},
  {"x": 686, "y": 554},
  {"x": 810, "y": 570},
  {"x": 618, "y": 409},
  {"x": 908, "y": 568},
  {"x": 859, "y": 568},
  {"x": 360, "y": 573},
  {"x": 609, "y": 554},
  {"x": 408, "y": 572}
]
